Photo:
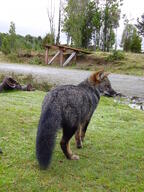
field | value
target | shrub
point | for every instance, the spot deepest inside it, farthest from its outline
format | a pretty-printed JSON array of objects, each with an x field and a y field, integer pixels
[
  {"x": 13, "y": 57},
  {"x": 115, "y": 56},
  {"x": 35, "y": 60},
  {"x": 5, "y": 48}
]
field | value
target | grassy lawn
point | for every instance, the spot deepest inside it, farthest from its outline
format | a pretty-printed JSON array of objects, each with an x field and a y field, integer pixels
[{"x": 112, "y": 159}]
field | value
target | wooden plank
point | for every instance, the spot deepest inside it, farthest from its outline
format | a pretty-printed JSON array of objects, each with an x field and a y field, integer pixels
[
  {"x": 69, "y": 58},
  {"x": 57, "y": 54},
  {"x": 74, "y": 49},
  {"x": 70, "y": 48}
]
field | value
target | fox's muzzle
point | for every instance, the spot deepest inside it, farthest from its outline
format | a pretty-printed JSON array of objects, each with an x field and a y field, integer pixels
[{"x": 110, "y": 93}]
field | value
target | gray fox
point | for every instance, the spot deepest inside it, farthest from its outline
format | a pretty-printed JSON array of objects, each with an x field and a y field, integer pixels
[{"x": 69, "y": 107}]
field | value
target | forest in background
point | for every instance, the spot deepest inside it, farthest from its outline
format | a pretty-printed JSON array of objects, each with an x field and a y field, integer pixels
[{"x": 87, "y": 24}]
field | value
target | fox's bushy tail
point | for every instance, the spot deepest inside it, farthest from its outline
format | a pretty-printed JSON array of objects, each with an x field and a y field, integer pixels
[{"x": 45, "y": 140}]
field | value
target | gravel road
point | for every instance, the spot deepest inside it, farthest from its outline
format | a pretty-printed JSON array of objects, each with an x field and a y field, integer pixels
[{"x": 125, "y": 84}]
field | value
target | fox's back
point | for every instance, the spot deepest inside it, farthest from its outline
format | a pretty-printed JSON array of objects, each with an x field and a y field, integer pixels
[
  {"x": 74, "y": 103},
  {"x": 69, "y": 95}
]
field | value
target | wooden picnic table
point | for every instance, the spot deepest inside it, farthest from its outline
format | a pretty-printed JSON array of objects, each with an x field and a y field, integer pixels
[{"x": 61, "y": 50}]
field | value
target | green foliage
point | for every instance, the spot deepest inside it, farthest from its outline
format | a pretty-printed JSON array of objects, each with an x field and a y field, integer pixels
[
  {"x": 13, "y": 57},
  {"x": 136, "y": 43},
  {"x": 78, "y": 22},
  {"x": 0, "y": 40},
  {"x": 13, "y": 43},
  {"x": 36, "y": 61},
  {"x": 87, "y": 27},
  {"x": 111, "y": 158},
  {"x": 12, "y": 36},
  {"x": 130, "y": 39},
  {"x": 116, "y": 56},
  {"x": 110, "y": 19},
  {"x": 87, "y": 20},
  {"x": 5, "y": 48},
  {"x": 96, "y": 21},
  {"x": 74, "y": 22},
  {"x": 48, "y": 39}
]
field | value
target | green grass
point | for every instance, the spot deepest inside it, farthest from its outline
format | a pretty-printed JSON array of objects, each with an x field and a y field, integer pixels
[
  {"x": 112, "y": 159},
  {"x": 132, "y": 64}
]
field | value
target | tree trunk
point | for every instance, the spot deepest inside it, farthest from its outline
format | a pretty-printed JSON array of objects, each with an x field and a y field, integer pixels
[{"x": 59, "y": 25}]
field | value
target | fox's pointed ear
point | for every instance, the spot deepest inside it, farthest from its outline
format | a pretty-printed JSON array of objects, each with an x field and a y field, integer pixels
[
  {"x": 97, "y": 76},
  {"x": 100, "y": 75},
  {"x": 106, "y": 74}
]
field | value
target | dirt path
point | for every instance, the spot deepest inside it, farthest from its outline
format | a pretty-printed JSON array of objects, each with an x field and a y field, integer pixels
[{"x": 127, "y": 85}]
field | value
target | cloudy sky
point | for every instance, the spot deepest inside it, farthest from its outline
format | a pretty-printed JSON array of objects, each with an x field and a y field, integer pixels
[{"x": 30, "y": 16}]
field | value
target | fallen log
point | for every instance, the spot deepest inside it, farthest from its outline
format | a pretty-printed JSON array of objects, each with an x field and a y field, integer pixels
[{"x": 10, "y": 84}]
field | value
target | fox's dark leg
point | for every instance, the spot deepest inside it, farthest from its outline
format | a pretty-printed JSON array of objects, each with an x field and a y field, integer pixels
[
  {"x": 65, "y": 145},
  {"x": 78, "y": 137},
  {"x": 0, "y": 150},
  {"x": 83, "y": 131}
]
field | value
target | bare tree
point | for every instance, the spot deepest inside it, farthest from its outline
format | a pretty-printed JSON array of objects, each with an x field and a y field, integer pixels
[
  {"x": 59, "y": 22},
  {"x": 51, "y": 13}
]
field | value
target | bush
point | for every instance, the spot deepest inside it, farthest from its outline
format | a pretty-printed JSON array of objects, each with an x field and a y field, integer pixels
[
  {"x": 35, "y": 60},
  {"x": 115, "y": 56},
  {"x": 5, "y": 48},
  {"x": 13, "y": 57}
]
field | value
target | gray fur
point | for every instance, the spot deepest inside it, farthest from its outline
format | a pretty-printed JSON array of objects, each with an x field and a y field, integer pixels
[{"x": 67, "y": 107}]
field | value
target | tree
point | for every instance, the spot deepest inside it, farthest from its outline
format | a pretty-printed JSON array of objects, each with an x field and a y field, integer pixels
[
  {"x": 5, "y": 48},
  {"x": 110, "y": 17},
  {"x": 92, "y": 19},
  {"x": 78, "y": 22},
  {"x": 48, "y": 39},
  {"x": 12, "y": 36},
  {"x": 136, "y": 42},
  {"x": 59, "y": 23},
  {"x": 140, "y": 25},
  {"x": 97, "y": 25},
  {"x": 0, "y": 40},
  {"x": 87, "y": 27},
  {"x": 29, "y": 38},
  {"x": 51, "y": 13},
  {"x": 130, "y": 39}
]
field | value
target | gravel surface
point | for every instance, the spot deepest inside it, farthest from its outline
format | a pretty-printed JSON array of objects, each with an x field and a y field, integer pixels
[{"x": 125, "y": 84}]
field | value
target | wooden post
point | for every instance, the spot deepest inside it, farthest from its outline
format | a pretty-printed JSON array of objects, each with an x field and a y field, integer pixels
[
  {"x": 61, "y": 57},
  {"x": 75, "y": 58},
  {"x": 46, "y": 55}
]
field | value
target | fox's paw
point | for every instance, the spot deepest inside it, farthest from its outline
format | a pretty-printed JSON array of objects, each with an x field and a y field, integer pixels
[{"x": 74, "y": 157}]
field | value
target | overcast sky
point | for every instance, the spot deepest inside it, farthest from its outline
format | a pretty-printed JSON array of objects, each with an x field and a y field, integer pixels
[{"x": 30, "y": 16}]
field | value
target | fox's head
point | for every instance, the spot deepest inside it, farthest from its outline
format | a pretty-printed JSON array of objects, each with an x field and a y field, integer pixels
[{"x": 100, "y": 81}]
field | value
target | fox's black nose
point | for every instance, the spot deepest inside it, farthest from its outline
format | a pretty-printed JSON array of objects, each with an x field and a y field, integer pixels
[
  {"x": 110, "y": 93},
  {"x": 113, "y": 93}
]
